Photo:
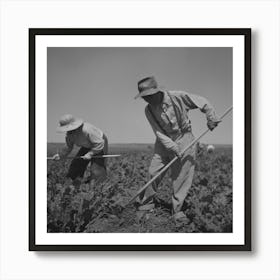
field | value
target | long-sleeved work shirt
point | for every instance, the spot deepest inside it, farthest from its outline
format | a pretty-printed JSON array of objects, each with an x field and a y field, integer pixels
[
  {"x": 89, "y": 137},
  {"x": 169, "y": 120}
]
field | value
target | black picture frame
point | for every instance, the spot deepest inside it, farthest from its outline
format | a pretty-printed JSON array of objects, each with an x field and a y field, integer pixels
[{"x": 246, "y": 32}]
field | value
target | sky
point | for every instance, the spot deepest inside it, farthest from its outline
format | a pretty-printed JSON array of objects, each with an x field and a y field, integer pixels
[{"x": 99, "y": 86}]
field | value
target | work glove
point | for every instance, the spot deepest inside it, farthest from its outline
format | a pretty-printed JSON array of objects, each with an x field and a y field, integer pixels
[
  {"x": 86, "y": 157},
  {"x": 56, "y": 157},
  {"x": 212, "y": 124}
]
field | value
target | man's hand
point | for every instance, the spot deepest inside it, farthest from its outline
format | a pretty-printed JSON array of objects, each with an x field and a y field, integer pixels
[
  {"x": 86, "y": 157},
  {"x": 177, "y": 151},
  {"x": 212, "y": 124},
  {"x": 56, "y": 157}
]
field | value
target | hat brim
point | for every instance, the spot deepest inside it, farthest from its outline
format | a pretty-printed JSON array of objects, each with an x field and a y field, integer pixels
[
  {"x": 69, "y": 127},
  {"x": 150, "y": 91}
]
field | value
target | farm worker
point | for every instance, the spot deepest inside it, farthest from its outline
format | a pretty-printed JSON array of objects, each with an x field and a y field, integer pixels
[
  {"x": 93, "y": 142},
  {"x": 167, "y": 113}
]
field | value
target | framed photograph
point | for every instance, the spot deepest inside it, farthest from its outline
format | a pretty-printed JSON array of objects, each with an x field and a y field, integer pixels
[{"x": 140, "y": 139}]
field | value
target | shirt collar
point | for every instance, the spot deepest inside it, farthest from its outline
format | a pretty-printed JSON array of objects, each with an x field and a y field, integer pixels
[{"x": 166, "y": 102}]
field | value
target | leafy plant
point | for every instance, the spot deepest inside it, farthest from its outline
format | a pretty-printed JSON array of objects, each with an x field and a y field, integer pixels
[{"x": 100, "y": 207}]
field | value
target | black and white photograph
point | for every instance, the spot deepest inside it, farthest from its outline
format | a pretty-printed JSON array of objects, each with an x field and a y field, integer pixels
[{"x": 140, "y": 139}]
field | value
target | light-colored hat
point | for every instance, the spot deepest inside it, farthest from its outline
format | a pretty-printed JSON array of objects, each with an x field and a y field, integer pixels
[
  {"x": 148, "y": 86},
  {"x": 69, "y": 122}
]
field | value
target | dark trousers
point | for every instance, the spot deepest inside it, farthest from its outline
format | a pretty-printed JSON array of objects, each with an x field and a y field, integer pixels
[{"x": 78, "y": 165}]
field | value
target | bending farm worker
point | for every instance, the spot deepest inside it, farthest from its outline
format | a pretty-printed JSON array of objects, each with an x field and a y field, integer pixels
[
  {"x": 92, "y": 142},
  {"x": 167, "y": 113}
]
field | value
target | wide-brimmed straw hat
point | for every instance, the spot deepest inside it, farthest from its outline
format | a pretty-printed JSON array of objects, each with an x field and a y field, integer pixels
[
  {"x": 68, "y": 123},
  {"x": 148, "y": 86}
]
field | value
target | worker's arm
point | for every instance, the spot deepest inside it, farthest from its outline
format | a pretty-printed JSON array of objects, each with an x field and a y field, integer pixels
[
  {"x": 97, "y": 145},
  {"x": 193, "y": 101}
]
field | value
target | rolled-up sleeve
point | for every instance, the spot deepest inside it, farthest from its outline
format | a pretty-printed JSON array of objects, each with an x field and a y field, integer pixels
[
  {"x": 167, "y": 142},
  {"x": 97, "y": 144},
  {"x": 193, "y": 101}
]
